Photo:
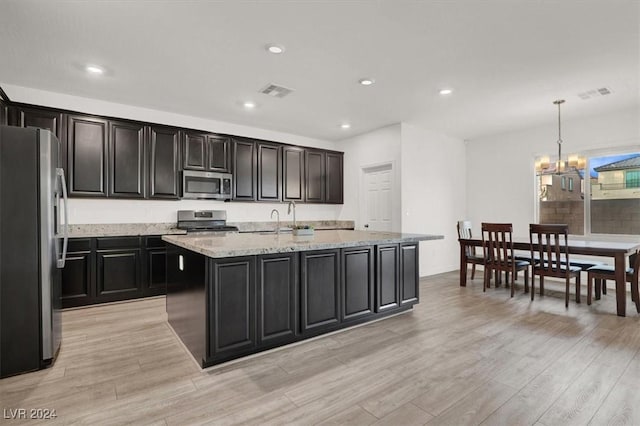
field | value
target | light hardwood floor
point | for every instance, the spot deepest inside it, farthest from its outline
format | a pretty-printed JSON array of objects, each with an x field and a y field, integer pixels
[{"x": 461, "y": 357}]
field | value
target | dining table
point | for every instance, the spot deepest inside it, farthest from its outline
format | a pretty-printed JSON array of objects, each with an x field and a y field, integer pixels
[{"x": 618, "y": 250}]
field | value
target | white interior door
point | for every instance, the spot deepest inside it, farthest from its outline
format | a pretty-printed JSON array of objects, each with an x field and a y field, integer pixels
[{"x": 377, "y": 197}]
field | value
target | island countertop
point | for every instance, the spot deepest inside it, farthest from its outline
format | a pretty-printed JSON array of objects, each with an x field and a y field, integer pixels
[{"x": 231, "y": 244}]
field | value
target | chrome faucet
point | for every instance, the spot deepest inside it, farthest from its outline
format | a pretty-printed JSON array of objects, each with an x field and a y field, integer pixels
[
  {"x": 292, "y": 203},
  {"x": 278, "y": 218}
]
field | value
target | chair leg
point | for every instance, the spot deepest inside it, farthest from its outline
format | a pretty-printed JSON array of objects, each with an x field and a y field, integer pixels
[
  {"x": 533, "y": 286},
  {"x": 589, "y": 289},
  {"x": 526, "y": 280},
  {"x": 598, "y": 288},
  {"x": 541, "y": 285},
  {"x": 578, "y": 288},
  {"x": 484, "y": 279},
  {"x": 473, "y": 270},
  {"x": 566, "y": 293},
  {"x": 513, "y": 283},
  {"x": 604, "y": 286}
]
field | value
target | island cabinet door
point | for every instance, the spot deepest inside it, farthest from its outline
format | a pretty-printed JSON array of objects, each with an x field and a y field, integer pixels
[
  {"x": 387, "y": 277},
  {"x": 232, "y": 302},
  {"x": 409, "y": 278},
  {"x": 277, "y": 281},
  {"x": 357, "y": 282},
  {"x": 319, "y": 290}
]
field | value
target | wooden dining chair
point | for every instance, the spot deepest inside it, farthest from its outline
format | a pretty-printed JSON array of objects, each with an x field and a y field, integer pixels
[
  {"x": 472, "y": 257},
  {"x": 601, "y": 273},
  {"x": 497, "y": 245},
  {"x": 549, "y": 243}
]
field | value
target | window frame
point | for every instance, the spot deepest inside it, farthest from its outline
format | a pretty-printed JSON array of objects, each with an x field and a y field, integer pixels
[{"x": 588, "y": 155}]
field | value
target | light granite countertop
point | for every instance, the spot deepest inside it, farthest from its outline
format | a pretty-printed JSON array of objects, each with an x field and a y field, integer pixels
[
  {"x": 137, "y": 229},
  {"x": 122, "y": 229},
  {"x": 219, "y": 245}
]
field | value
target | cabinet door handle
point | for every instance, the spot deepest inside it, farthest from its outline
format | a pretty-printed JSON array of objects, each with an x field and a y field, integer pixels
[{"x": 180, "y": 262}]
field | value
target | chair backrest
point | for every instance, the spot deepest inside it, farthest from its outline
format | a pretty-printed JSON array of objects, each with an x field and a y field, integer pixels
[
  {"x": 550, "y": 243},
  {"x": 497, "y": 243},
  {"x": 464, "y": 233}
]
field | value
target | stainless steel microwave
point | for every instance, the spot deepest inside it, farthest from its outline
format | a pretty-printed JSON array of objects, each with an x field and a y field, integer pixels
[{"x": 206, "y": 185}]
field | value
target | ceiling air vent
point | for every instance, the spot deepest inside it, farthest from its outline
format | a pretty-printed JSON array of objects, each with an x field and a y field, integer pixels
[
  {"x": 275, "y": 90},
  {"x": 595, "y": 93}
]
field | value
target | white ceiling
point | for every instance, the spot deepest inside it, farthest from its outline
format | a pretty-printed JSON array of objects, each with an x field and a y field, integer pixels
[{"x": 506, "y": 60}]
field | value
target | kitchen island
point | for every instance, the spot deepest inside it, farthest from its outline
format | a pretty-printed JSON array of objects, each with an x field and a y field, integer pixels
[{"x": 231, "y": 294}]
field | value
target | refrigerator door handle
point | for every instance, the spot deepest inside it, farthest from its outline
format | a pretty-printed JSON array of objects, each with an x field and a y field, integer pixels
[{"x": 65, "y": 232}]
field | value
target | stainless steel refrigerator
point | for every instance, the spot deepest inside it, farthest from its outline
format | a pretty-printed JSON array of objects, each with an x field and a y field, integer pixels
[{"x": 33, "y": 244}]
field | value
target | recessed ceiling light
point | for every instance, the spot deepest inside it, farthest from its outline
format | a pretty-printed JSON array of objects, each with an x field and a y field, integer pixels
[
  {"x": 94, "y": 69},
  {"x": 366, "y": 81},
  {"x": 276, "y": 49},
  {"x": 446, "y": 91},
  {"x": 249, "y": 105},
  {"x": 345, "y": 126}
]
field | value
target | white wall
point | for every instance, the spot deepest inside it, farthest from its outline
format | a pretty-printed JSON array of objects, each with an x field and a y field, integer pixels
[
  {"x": 131, "y": 211},
  {"x": 370, "y": 149},
  {"x": 500, "y": 179},
  {"x": 433, "y": 194}
]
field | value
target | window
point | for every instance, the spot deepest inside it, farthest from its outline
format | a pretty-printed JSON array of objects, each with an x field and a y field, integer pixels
[
  {"x": 615, "y": 194},
  {"x": 556, "y": 203},
  {"x": 599, "y": 197}
]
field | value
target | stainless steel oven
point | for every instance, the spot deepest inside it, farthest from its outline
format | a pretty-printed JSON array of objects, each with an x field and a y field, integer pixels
[{"x": 206, "y": 185}]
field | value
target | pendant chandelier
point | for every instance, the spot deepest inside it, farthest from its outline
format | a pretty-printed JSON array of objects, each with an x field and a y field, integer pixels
[{"x": 544, "y": 164}]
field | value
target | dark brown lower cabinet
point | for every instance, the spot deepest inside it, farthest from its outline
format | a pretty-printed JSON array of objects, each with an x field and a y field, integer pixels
[
  {"x": 118, "y": 274},
  {"x": 110, "y": 269},
  {"x": 319, "y": 289},
  {"x": 231, "y": 307},
  {"x": 155, "y": 259},
  {"x": 358, "y": 281},
  {"x": 409, "y": 277},
  {"x": 77, "y": 275},
  {"x": 277, "y": 281},
  {"x": 387, "y": 277},
  {"x": 232, "y": 301}
]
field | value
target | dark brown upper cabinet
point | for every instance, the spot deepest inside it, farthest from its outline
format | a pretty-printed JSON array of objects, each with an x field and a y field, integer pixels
[
  {"x": 244, "y": 170},
  {"x": 315, "y": 176},
  {"x": 164, "y": 162},
  {"x": 293, "y": 188},
  {"x": 218, "y": 153},
  {"x": 112, "y": 157},
  {"x": 36, "y": 117},
  {"x": 269, "y": 172},
  {"x": 334, "y": 182},
  {"x": 194, "y": 152},
  {"x": 87, "y": 156},
  {"x": 127, "y": 155},
  {"x": 206, "y": 152}
]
